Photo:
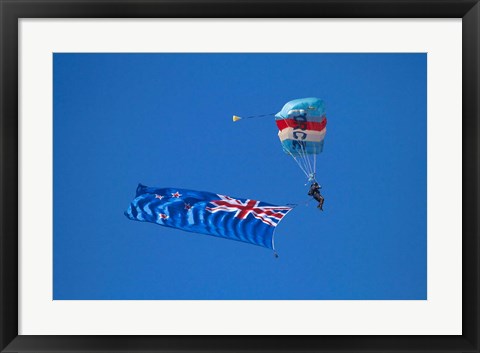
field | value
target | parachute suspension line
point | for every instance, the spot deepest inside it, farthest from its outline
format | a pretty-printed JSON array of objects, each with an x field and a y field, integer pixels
[
  {"x": 313, "y": 162},
  {"x": 303, "y": 160},
  {"x": 298, "y": 163},
  {"x": 307, "y": 162},
  {"x": 307, "y": 158}
]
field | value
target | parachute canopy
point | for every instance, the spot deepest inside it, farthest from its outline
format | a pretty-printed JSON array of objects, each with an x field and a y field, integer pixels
[{"x": 302, "y": 128}]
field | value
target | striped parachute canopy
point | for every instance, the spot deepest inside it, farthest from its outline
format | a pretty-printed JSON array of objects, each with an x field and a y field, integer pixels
[{"x": 302, "y": 128}]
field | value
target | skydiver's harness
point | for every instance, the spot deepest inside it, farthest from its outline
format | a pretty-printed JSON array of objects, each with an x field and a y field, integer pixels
[
  {"x": 315, "y": 192},
  {"x": 317, "y": 196}
]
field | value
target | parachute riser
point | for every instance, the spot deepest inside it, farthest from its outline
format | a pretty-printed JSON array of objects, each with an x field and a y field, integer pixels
[{"x": 311, "y": 179}]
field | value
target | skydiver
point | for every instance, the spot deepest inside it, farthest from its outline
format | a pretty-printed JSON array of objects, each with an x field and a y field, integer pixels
[{"x": 315, "y": 193}]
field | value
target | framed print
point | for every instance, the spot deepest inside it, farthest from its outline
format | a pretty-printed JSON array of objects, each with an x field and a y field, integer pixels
[{"x": 234, "y": 176}]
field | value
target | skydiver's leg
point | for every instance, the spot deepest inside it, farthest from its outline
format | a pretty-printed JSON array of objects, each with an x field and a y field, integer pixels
[
  {"x": 320, "y": 200},
  {"x": 320, "y": 203}
]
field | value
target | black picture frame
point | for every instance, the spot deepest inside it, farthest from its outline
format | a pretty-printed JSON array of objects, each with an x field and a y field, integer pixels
[{"x": 12, "y": 10}]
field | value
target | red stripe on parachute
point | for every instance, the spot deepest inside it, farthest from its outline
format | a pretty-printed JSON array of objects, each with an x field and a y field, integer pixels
[{"x": 310, "y": 125}]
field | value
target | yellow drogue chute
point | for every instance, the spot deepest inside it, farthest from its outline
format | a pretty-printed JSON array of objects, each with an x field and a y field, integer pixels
[{"x": 236, "y": 118}]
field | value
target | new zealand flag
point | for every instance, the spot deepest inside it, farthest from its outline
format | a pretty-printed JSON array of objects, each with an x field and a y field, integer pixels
[{"x": 244, "y": 220}]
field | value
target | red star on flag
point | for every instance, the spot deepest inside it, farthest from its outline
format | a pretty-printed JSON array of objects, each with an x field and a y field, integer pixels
[
  {"x": 177, "y": 195},
  {"x": 158, "y": 196},
  {"x": 188, "y": 206},
  {"x": 163, "y": 216}
]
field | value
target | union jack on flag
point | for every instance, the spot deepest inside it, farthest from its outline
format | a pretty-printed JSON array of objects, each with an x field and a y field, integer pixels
[
  {"x": 270, "y": 215},
  {"x": 203, "y": 212}
]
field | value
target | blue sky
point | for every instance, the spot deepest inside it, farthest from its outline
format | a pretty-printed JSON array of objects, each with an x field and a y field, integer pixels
[{"x": 166, "y": 120}]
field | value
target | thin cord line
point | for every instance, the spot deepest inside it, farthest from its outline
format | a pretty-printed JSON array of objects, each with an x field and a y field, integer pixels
[{"x": 258, "y": 116}]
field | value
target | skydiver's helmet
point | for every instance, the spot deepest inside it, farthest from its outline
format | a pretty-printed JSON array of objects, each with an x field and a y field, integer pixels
[{"x": 315, "y": 184}]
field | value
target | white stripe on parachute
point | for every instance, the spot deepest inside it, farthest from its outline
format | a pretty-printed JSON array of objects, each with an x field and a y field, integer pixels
[{"x": 295, "y": 134}]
